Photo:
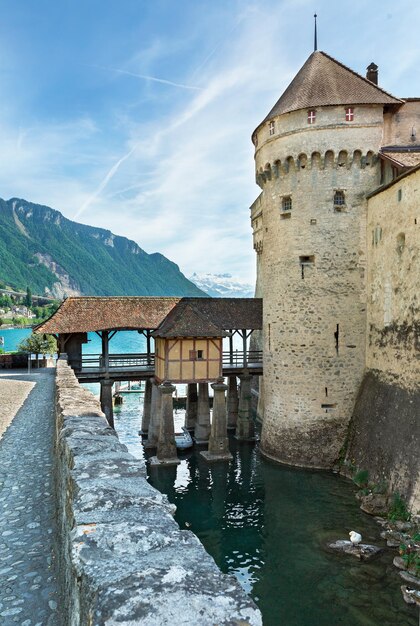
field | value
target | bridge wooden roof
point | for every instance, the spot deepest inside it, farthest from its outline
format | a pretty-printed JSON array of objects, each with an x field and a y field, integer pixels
[
  {"x": 88, "y": 314},
  {"x": 171, "y": 317},
  {"x": 196, "y": 316}
]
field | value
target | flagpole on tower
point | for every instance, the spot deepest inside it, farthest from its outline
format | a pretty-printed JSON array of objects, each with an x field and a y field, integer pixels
[{"x": 315, "y": 36}]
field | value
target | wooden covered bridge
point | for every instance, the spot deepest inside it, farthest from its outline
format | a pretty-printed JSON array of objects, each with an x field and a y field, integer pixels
[{"x": 188, "y": 340}]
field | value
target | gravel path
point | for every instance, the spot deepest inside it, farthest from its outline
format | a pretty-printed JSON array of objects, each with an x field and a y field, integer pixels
[
  {"x": 28, "y": 587},
  {"x": 13, "y": 393}
]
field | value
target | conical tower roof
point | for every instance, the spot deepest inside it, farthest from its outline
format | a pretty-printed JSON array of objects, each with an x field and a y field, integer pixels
[{"x": 323, "y": 81}]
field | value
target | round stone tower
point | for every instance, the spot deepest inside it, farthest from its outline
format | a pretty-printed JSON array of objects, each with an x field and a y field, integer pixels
[{"x": 316, "y": 160}]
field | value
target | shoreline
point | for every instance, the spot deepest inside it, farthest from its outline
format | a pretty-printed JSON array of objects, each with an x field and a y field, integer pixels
[{"x": 11, "y": 327}]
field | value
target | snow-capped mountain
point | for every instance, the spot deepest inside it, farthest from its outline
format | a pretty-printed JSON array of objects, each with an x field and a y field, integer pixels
[{"x": 222, "y": 286}]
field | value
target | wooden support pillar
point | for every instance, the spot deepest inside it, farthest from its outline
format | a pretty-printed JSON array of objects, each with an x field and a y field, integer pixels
[
  {"x": 218, "y": 443},
  {"x": 231, "y": 347},
  {"x": 155, "y": 414},
  {"x": 166, "y": 448},
  {"x": 244, "y": 338},
  {"x": 202, "y": 428},
  {"x": 72, "y": 345},
  {"x": 192, "y": 402},
  {"x": 106, "y": 400},
  {"x": 147, "y": 408},
  {"x": 148, "y": 348},
  {"x": 105, "y": 350},
  {"x": 232, "y": 403},
  {"x": 245, "y": 429}
]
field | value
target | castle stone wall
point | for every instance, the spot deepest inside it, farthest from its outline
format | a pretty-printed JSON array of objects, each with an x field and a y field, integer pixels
[
  {"x": 393, "y": 281},
  {"x": 385, "y": 430},
  {"x": 294, "y": 136},
  {"x": 399, "y": 126},
  {"x": 313, "y": 270},
  {"x": 384, "y": 436}
]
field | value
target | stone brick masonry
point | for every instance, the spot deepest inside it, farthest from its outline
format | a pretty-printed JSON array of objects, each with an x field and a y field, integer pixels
[{"x": 123, "y": 557}]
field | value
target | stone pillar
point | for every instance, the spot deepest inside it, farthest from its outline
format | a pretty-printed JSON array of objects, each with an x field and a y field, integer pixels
[
  {"x": 218, "y": 443},
  {"x": 166, "y": 448},
  {"x": 245, "y": 428},
  {"x": 191, "y": 414},
  {"x": 106, "y": 400},
  {"x": 155, "y": 414},
  {"x": 232, "y": 403},
  {"x": 202, "y": 428},
  {"x": 147, "y": 407}
]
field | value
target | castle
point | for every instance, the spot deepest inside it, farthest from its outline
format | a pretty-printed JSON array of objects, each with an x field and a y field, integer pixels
[{"x": 335, "y": 230}]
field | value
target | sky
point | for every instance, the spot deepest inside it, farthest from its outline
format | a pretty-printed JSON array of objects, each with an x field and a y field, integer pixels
[{"x": 136, "y": 115}]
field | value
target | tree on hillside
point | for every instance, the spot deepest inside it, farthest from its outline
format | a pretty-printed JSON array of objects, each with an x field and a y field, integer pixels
[
  {"x": 28, "y": 298},
  {"x": 38, "y": 344}
]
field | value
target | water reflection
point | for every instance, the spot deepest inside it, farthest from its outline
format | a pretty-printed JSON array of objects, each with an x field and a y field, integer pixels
[{"x": 268, "y": 525}]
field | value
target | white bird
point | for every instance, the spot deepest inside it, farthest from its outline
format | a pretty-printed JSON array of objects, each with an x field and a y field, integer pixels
[{"x": 355, "y": 537}]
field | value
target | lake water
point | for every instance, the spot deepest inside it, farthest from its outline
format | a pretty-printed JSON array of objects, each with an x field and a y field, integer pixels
[
  {"x": 124, "y": 341},
  {"x": 268, "y": 525},
  {"x": 12, "y": 337}
]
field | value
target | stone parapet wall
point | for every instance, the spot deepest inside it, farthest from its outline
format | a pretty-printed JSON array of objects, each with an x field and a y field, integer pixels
[
  {"x": 123, "y": 559},
  {"x": 13, "y": 361},
  {"x": 19, "y": 360}
]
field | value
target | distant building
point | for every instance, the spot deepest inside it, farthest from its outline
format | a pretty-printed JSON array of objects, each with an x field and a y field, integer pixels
[{"x": 336, "y": 235}]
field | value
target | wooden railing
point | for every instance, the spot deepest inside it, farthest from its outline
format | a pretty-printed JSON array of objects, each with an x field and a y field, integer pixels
[
  {"x": 236, "y": 358},
  {"x": 119, "y": 361}
]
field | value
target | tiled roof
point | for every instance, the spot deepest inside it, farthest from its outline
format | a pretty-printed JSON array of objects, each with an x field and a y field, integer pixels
[
  {"x": 323, "y": 81},
  {"x": 87, "y": 314},
  {"x": 212, "y": 315},
  {"x": 196, "y": 317},
  {"x": 405, "y": 159},
  {"x": 186, "y": 320}
]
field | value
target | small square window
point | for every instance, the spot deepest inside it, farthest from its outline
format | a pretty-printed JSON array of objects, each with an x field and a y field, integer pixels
[
  {"x": 307, "y": 260},
  {"x": 272, "y": 128},
  {"x": 286, "y": 203},
  {"x": 311, "y": 116},
  {"x": 339, "y": 198},
  {"x": 200, "y": 355},
  {"x": 349, "y": 114}
]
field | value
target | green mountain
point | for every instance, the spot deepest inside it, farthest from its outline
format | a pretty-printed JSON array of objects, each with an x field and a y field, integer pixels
[{"x": 43, "y": 250}]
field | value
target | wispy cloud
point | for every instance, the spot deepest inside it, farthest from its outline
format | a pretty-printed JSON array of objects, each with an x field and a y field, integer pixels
[
  {"x": 104, "y": 182},
  {"x": 153, "y": 79}
]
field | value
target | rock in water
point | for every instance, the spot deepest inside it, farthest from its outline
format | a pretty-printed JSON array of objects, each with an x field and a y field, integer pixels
[
  {"x": 362, "y": 551},
  {"x": 411, "y": 596}
]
